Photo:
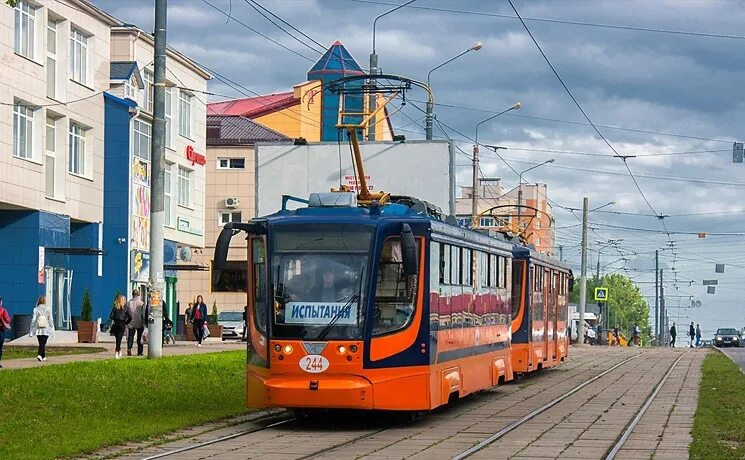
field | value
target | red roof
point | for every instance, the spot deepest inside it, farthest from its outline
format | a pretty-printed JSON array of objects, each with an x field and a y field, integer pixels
[{"x": 252, "y": 107}]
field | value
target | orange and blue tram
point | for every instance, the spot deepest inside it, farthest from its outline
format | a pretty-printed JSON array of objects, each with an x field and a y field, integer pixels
[{"x": 381, "y": 307}]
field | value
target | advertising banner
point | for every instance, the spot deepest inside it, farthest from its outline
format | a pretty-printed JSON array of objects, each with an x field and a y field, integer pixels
[{"x": 139, "y": 265}]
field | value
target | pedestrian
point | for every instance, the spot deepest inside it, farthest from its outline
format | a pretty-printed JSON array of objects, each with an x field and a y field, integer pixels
[
  {"x": 136, "y": 309},
  {"x": 691, "y": 334},
  {"x": 187, "y": 316},
  {"x": 120, "y": 319},
  {"x": 599, "y": 338},
  {"x": 673, "y": 333},
  {"x": 636, "y": 333},
  {"x": 198, "y": 318},
  {"x": 41, "y": 327},
  {"x": 616, "y": 340},
  {"x": 4, "y": 326},
  {"x": 698, "y": 335}
]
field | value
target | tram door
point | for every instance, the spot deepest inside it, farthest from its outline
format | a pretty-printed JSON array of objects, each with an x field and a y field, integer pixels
[
  {"x": 555, "y": 312},
  {"x": 548, "y": 325}
]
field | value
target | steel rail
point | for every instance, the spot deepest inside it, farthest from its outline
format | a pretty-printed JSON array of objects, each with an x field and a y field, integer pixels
[
  {"x": 222, "y": 439},
  {"x": 630, "y": 428},
  {"x": 512, "y": 426}
]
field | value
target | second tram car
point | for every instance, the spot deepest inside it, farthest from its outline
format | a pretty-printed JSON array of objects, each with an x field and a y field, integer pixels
[{"x": 540, "y": 293}]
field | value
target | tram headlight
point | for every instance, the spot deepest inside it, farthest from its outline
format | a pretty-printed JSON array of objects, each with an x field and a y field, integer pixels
[
  {"x": 288, "y": 349},
  {"x": 277, "y": 347},
  {"x": 342, "y": 349}
]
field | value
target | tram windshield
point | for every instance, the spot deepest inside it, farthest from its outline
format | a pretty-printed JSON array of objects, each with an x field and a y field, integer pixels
[{"x": 319, "y": 277}]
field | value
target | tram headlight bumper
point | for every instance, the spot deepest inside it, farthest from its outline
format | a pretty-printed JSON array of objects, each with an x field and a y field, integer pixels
[
  {"x": 288, "y": 349},
  {"x": 342, "y": 349}
]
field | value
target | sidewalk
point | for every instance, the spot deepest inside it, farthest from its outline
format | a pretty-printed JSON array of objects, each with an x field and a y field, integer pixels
[{"x": 180, "y": 348}]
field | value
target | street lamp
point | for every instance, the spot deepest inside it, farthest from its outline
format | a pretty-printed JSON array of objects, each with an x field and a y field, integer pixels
[
  {"x": 430, "y": 103},
  {"x": 520, "y": 189},
  {"x": 475, "y": 194},
  {"x": 374, "y": 70},
  {"x": 610, "y": 203}
]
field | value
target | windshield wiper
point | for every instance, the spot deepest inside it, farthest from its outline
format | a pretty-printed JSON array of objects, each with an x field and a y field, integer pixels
[{"x": 327, "y": 328}]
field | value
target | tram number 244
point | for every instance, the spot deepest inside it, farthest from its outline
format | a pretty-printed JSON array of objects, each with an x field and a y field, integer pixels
[{"x": 314, "y": 364}]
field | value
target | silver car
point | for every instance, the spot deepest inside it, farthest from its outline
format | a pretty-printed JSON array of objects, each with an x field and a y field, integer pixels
[{"x": 232, "y": 324}]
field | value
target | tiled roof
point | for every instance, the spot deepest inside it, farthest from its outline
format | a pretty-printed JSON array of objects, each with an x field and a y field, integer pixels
[
  {"x": 235, "y": 130},
  {"x": 253, "y": 107},
  {"x": 123, "y": 70},
  {"x": 337, "y": 60}
]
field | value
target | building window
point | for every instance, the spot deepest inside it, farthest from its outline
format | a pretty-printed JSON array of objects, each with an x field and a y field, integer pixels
[
  {"x": 184, "y": 186},
  {"x": 186, "y": 114},
  {"x": 147, "y": 78},
  {"x": 49, "y": 157},
  {"x": 131, "y": 89},
  {"x": 231, "y": 163},
  {"x": 79, "y": 56},
  {"x": 537, "y": 241},
  {"x": 141, "y": 134},
  {"x": 52, "y": 59},
  {"x": 169, "y": 115},
  {"x": 23, "y": 131},
  {"x": 76, "y": 162},
  {"x": 537, "y": 224},
  {"x": 234, "y": 216},
  {"x": 25, "y": 16},
  {"x": 168, "y": 197}
]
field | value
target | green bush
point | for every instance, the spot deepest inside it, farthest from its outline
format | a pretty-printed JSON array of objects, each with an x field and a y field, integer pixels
[
  {"x": 213, "y": 316},
  {"x": 86, "y": 311}
]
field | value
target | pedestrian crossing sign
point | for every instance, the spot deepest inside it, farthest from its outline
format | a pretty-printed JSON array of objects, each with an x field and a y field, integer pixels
[{"x": 601, "y": 293}]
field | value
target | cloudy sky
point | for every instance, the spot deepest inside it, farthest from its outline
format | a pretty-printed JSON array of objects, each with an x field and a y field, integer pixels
[{"x": 662, "y": 80}]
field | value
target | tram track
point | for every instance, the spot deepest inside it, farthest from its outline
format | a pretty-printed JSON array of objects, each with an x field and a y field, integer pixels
[
  {"x": 613, "y": 452},
  {"x": 517, "y": 423}
]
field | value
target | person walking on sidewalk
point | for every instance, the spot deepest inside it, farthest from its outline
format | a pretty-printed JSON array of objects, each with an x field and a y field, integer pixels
[
  {"x": 691, "y": 334},
  {"x": 636, "y": 334},
  {"x": 698, "y": 335},
  {"x": 673, "y": 333},
  {"x": 198, "y": 318},
  {"x": 4, "y": 326},
  {"x": 120, "y": 318},
  {"x": 136, "y": 309},
  {"x": 41, "y": 327}
]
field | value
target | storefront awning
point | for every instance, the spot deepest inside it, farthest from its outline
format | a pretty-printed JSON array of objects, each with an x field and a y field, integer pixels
[
  {"x": 186, "y": 267},
  {"x": 77, "y": 251}
]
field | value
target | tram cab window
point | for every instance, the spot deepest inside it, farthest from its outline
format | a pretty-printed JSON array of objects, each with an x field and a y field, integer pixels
[
  {"x": 258, "y": 257},
  {"x": 518, "y": 268},
  {"x": 395, "y": 295}
]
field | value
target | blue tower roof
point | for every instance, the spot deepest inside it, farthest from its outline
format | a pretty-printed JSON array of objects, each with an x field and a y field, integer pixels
[{"x": 337, "y": 62}]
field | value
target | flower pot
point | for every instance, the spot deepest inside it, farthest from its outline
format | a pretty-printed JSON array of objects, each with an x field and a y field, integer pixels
[{"x": 87, "y": 332}]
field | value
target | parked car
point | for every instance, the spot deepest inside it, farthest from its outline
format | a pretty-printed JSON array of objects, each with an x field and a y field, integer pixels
[
  {"x": 727, "y": 337},
  {"x": 232, "y": 324}
]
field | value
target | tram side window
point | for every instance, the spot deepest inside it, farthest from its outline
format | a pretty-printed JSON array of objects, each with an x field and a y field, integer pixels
[
  {"x": 493, "y": 270},
  {"x": 483, "y": 269},
  {"x": 454, "y": 265},
  {"x": 258, "y": 258},
  {"x": 395, "y": 295},
  {"x": 466, "y": 267},
  {"x": 444, "y": 263},
  {"x": 518, "y": 267}
]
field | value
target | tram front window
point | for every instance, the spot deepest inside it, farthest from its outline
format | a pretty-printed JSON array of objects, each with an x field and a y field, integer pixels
[{"x": 319, "y": 277}]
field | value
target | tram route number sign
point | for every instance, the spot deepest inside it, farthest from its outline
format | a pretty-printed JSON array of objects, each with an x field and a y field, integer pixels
[
  {"x": 314, "y": 364},
  {"x": 601, "y": 294}
]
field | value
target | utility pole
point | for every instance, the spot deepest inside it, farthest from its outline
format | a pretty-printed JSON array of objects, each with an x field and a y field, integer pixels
[
  {"x": 561, "y": 253},
  {"x": 663, "y": 315},
  {"x": 157, "y": 208},
  {"x": 583, "y": 275},
  {"x": 475, "y": 194},
  {"x": 597, "y": 273},
  {"x": 657, "y": 296}
]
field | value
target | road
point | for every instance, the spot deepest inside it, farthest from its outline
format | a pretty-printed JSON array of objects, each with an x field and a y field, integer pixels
[
  {"x": 737, "y": 355},
  {"x": 615, "y": 385}
]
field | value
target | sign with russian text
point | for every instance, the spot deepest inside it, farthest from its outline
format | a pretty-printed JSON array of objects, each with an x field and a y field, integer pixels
[
  {"x": 321, "y": 313},
  {"x": 41, "y": 265},
  {"x": 194, "y": 157}
]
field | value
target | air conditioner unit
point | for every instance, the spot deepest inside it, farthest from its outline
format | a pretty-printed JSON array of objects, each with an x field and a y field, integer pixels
[{"x": 232, "y": 202}]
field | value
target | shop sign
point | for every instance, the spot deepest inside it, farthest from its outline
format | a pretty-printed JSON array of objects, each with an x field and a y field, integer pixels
[{"x": 194, "y": 157}]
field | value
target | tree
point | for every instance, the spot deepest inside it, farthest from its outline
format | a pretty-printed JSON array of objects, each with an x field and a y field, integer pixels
[
  {"x": 86, "y": 311},
  {"x": 214, "y": 312},
  {"x": 625, "y": 305}
]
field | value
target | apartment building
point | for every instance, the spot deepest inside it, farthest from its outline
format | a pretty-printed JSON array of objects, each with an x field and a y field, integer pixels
[
  {"x": 129, "y": 107},
  {"x": 55, "y": 57},
  {"x": 536, "y": 217},
  {"x": 231, "y": 188}
]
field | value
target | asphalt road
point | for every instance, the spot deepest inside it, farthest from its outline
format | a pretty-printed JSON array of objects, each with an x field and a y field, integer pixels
[{"x": 737, "y": 355}]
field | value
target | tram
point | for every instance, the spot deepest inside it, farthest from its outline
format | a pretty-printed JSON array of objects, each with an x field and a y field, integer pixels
[
  {"x": 377, "y": 307},
  {"x": 540, "y": 293}
]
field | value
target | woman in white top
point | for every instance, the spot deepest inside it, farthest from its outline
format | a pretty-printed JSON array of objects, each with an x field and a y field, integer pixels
[{"x": 42, "y": 326}]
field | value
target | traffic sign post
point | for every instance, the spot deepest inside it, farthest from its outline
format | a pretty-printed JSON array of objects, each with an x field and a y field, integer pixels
[{"x": 601, "y": 294}]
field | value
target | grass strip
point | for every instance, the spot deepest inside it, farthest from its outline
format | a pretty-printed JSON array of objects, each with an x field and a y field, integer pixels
[
  {"x": 77, "y": 408},
  {"x": 719, "y": 425},
  {"x": 18, "y": 352}
]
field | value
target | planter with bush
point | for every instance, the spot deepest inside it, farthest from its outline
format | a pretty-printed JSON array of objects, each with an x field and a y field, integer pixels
[{"x": 87, "y": 328}]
